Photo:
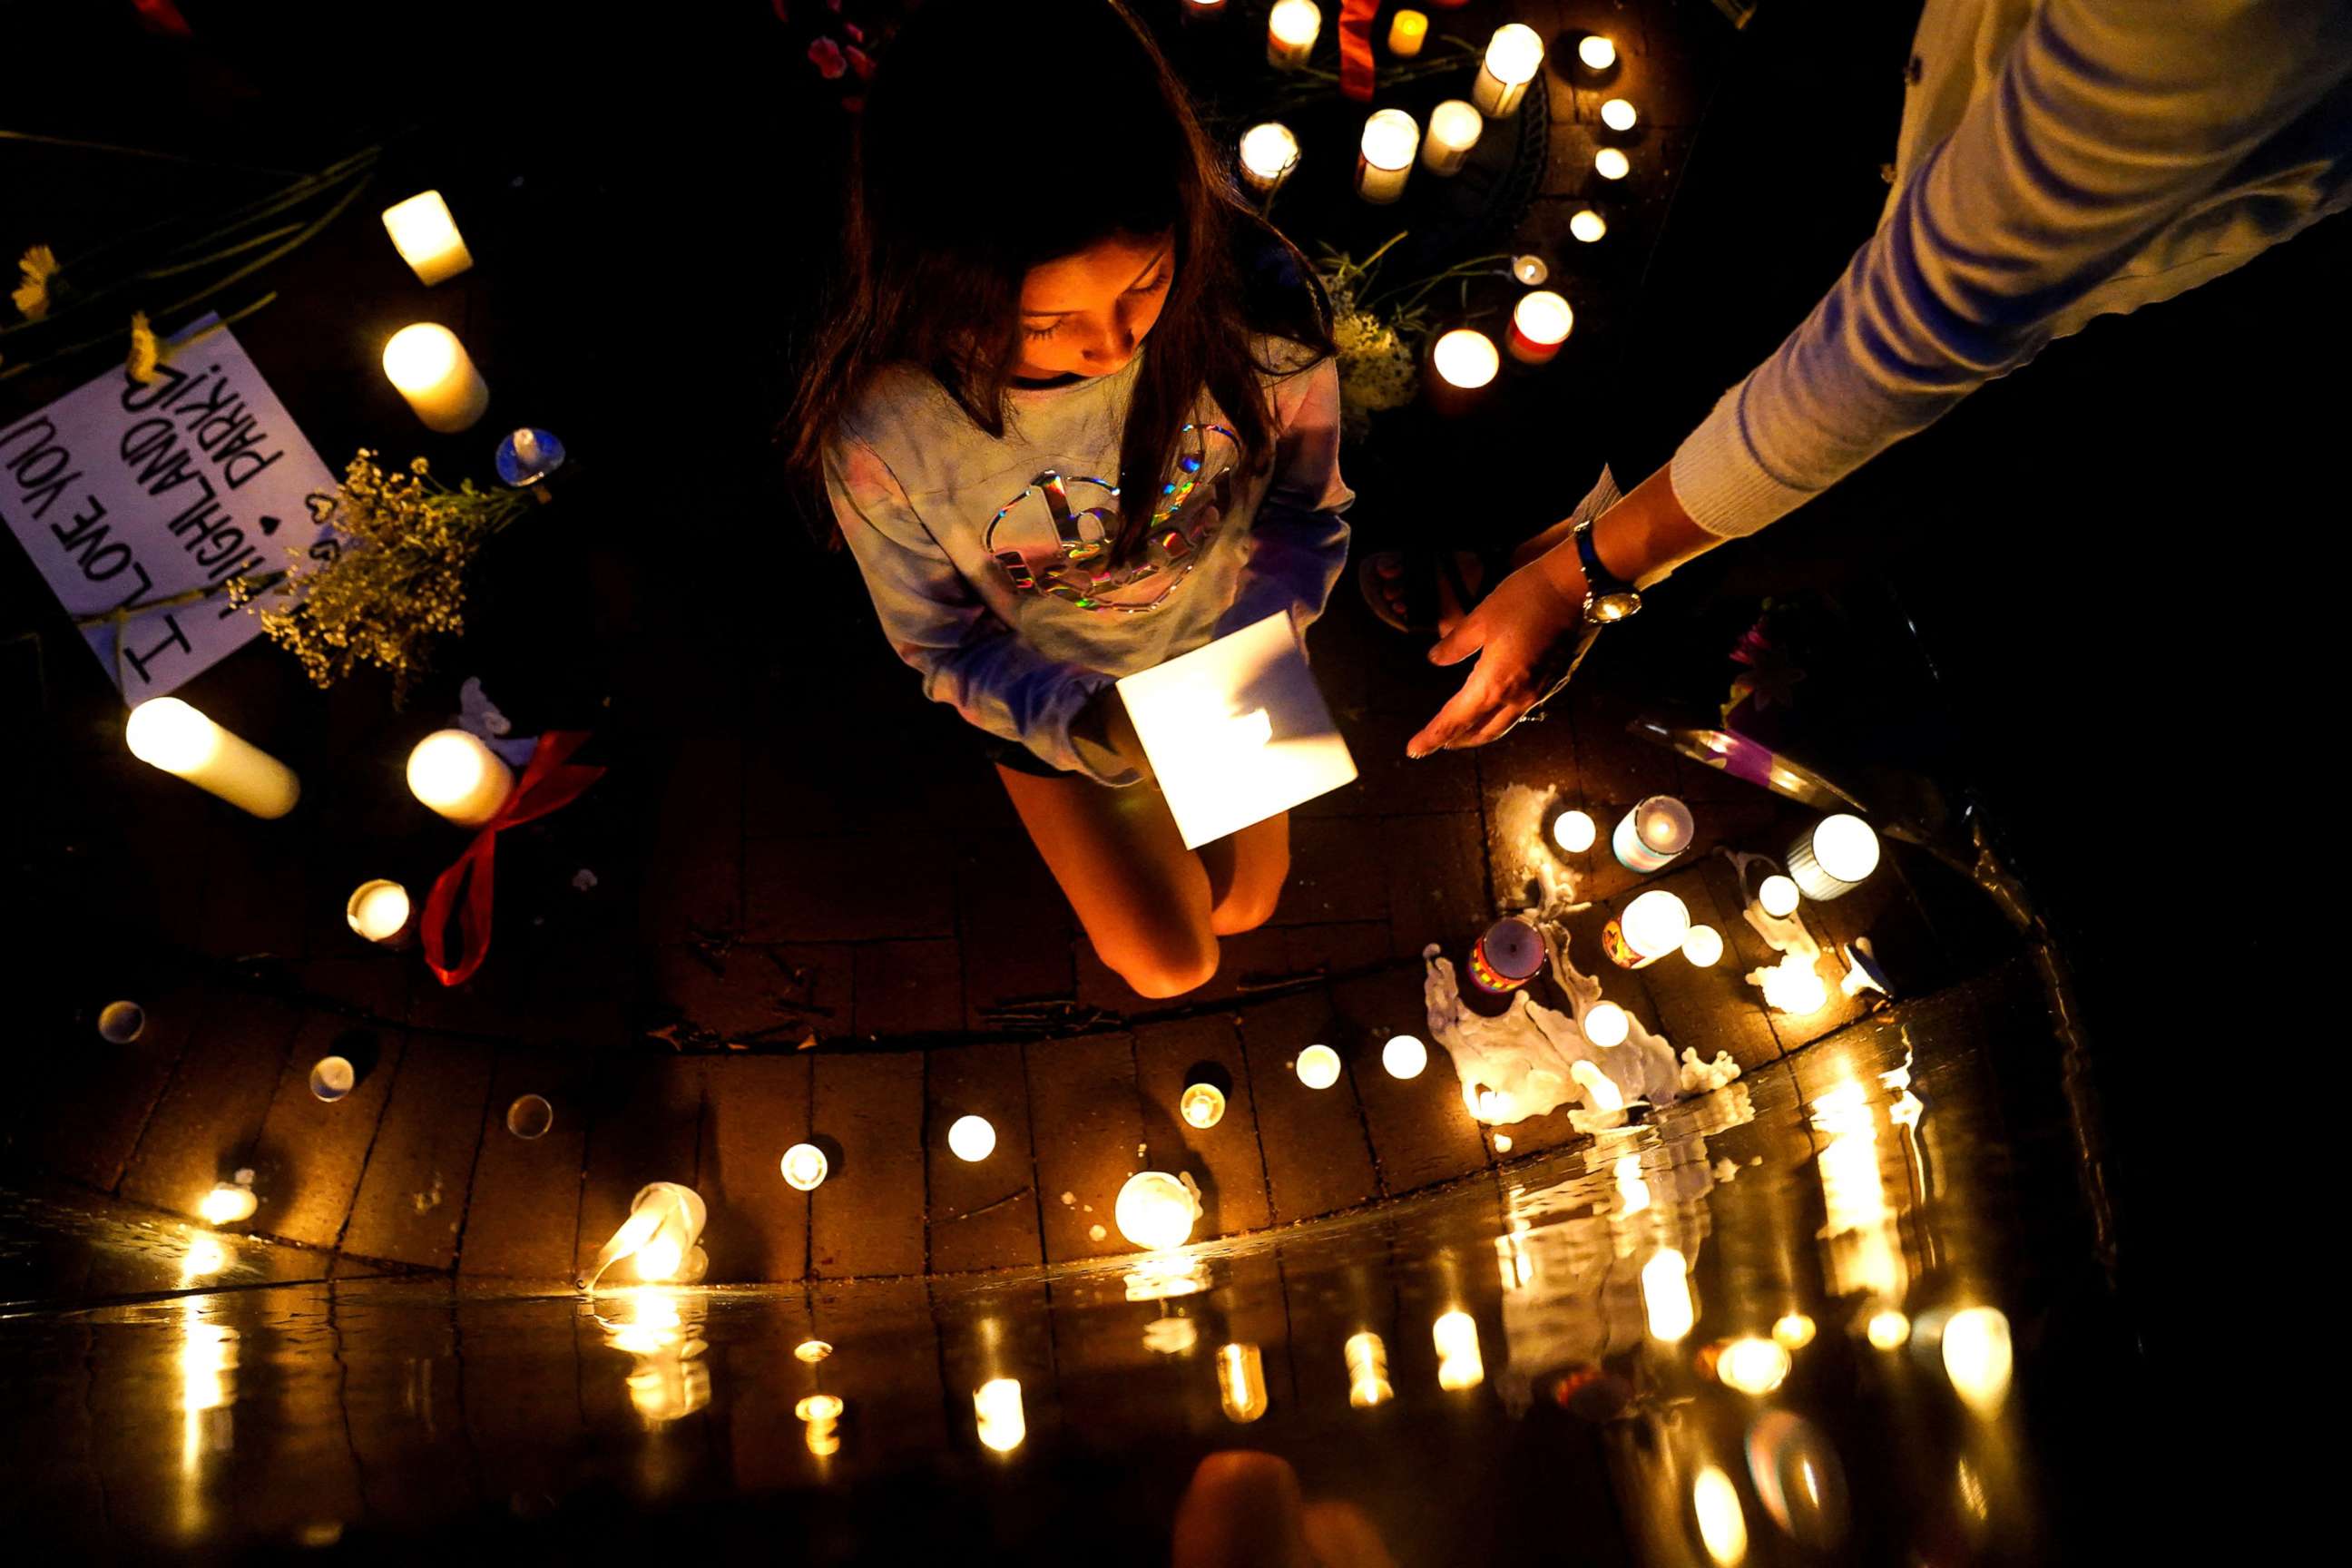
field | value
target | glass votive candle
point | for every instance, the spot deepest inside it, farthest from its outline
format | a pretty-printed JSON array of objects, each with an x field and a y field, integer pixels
[
  {"x": 1454, "y": 128},
  {"x": 1507, "y": 957},
  {"x": 1384, "y": 156},
  {"x": 1833, "y": 857},
  {"x": 1290, "y": 31},
  {"x": 1539, "y": 324},
  {"x": 1653, "y": 926},
  {"x": 1269, "y": 153},
  {"x": 380, "y": 911},
  {"x": 1652, "y": 833},
  {"x": 1514, "y": 55},
  {"x": 1465, "y": 358}
]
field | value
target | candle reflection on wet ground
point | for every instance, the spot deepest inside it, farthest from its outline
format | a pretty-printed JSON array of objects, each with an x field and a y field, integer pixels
[{"x": 1677, "y": 1344}]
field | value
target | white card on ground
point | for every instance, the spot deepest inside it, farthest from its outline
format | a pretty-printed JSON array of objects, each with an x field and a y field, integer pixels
[
  {"x": 1237, "y": 732},
  {"x": 124, "y": 494}
]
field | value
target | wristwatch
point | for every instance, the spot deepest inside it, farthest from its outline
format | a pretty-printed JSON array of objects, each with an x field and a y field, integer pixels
[{"x": 1607, "y": 597}]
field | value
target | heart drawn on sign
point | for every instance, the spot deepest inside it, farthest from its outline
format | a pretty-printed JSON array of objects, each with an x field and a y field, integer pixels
[{"x": 1046, "y": 545}]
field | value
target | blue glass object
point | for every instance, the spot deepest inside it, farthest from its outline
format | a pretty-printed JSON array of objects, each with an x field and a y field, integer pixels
[{"x": 528, "y": 455}]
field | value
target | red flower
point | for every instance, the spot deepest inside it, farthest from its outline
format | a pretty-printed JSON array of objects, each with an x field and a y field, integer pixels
[
  {"x": 825, "y": 55},
  {"x": 860, "y": 64}
]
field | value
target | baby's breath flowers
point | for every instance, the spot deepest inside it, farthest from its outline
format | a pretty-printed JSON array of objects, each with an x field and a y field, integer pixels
[{"x": 388, "y": 577}]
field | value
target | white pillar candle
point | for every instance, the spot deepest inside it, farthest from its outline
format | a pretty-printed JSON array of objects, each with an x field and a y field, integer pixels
[
  {"x": 1702, "y": 945},
  {"x": 427, "y": 237},
  {"x": 1405, "y": 1056},
  {"x": 1155, "y": 1210},
  {"x": 1605, "y": 1023},
  {"x": 1385, "y": 155},
  {"x": 429, "y": 366},
  {"x": 1290, "y": 30},
  {"x": 458, "y": 776},
  {"x": 380, "y": 911},
  {"x": 1597, "y": 52},
  {"x": 1408, "y": 30},
  {"x": 972, "y": 1139},
  {"x": 1653, "y": 926},
  {"x": 1777, "y": 897},
  {"x": 806, "y": 1167},
  {"x": 1465, "y": 358},
  {"x": 1618, "y": 114},
  {"x": 1514, "y": 55},
  {"x": 997, "y": 1414},
  {"x": 1539, "y": 324},
  {"x": 1575, "y": 832},
  {"x": 166, "y": 734},
  {"x": 1611, "y": 164},
  {"x": 1588, "y": 226},
  {"x": 1833, "y": 855},
  {"x": 1454, "y": 128},
  {"x": 1269, "y": 153},
  {"x": 1652, "y": 833}
]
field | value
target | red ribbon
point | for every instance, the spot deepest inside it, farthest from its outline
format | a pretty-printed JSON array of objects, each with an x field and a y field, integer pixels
[
  {"x": 1356, "y": 47},
  {"x": 551, "y": 781}
]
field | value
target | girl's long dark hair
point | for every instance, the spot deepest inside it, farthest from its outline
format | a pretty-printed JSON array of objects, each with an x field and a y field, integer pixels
[{"x": 1001, "y": 135}]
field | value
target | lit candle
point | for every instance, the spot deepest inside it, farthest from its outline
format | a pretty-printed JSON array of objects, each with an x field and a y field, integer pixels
[
  {"x": 972, "y": 1139},
  {"x": 1465, "y": 358},
  {"x": 1385, "y": 155},
  {"x": 1652, "y": 834},
  {"x": 820, "y": 1416},
  {"x": 165, "y": 732},
  {"x": 458, "y": 776},
  {"x": 659, "y": 1239},
  {"x": 1404, "y": 1056},
  {"x": 427, "y": 237},
  {"x": 1507, "y": 954},
  {"x": 1777, "y": 896},
  {"x": 1666, "y": 1295},
  {"x": 1833, "y": 857},
  {"x": 1611, "y": 164},
  {"x": 1575, "y": 832},
  {"x": 1202, "y": 1105},
  {"x": 1530, "y": 269},
  {"x": 1408, "y": 30},
  {"x": 1241, "y": 1382},
  {"x": 1318, "y": 1067},
  {"x": 1269, "y": 153},
  {"x": 1703, "y": 946},
  {"x": 1588, "y": 226},
  {"x": 1155, "y": 1210},
  {"x": 1204, "y": 7},
  {"x": 1653, "y": 926},
  {"x": 379, "y": 911},
  {"x": 1514, "y": 55},
  {"x": 1367, "y": 1372},
  {"x": 1290, "y": 30},
  {"x": 1539, "y": 324},
  {"x": 429, "y": 366},
  {"x": 1597, "y": 52},
  {"x": 1792, "y": 1331},
  {"x": 1618, "y": 114},
  {"x": 1793, "y": 985},
  {"x": 229, "y": 1202},
  {"x": 1979, "y": 1358},
  {"x": 1722, "y": 1526},
  {"x": 1605, "y": 1023},
  {"x": 806, "y": 1167},
  {"x": 1887, "y": 1328},
  {"x": 1454, "y": 128},
  {"x": 997, "y": 1414},
  {"x": 1752, "y": 1364},
  {"x": 1459, "y": 1365}
]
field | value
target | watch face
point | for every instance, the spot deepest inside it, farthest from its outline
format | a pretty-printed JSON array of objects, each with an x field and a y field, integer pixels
[{"x": 1614, "y": 606}]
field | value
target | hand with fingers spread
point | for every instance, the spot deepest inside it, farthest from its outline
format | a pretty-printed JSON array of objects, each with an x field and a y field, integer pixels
[
  {"x": 1526, "y": 632},
  {"x": 1518, "y": 631}
]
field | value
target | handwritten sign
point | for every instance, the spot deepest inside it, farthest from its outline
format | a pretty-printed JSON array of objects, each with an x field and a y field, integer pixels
[{"x": 127, "y": 495}]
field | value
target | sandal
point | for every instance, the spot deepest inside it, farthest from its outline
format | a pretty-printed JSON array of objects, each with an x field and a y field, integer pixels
[{"x": 1425, "y": 576}]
